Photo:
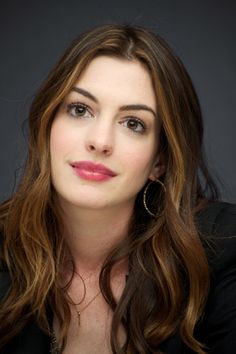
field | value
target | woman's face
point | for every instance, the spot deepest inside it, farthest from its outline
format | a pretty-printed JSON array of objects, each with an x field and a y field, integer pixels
[{"x": 104, "y": 138}]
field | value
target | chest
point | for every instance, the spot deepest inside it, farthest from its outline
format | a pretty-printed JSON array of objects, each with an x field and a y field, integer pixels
[
  {"x": 91, "y": 333},
  {"x": 90, "y": 326}
]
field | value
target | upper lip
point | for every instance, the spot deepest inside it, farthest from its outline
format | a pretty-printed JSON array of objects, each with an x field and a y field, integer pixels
[{"x": 93, "y": 167}]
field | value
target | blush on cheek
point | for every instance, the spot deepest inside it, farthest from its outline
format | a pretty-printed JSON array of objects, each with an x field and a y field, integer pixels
[
  {"x": 142, "y": 160},
  {"x": 60, "y": 138}
]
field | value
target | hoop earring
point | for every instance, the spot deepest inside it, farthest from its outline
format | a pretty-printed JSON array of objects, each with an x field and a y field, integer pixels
[{"x": 145, "y": 196}]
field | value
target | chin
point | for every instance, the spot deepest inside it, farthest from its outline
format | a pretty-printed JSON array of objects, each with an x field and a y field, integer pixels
[{"x": 87, "y": 204}]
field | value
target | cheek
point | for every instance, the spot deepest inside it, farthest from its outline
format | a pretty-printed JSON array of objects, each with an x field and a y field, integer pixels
[
  {"x": 140, "y": 161},
  {"x": 61, "y": 139}
]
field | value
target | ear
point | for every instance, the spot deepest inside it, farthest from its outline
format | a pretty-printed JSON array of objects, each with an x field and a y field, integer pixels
[{"x": 159, "y": 167}]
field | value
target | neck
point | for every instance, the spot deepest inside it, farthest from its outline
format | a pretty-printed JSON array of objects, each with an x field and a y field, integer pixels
[{"x": 92, "y": 234}]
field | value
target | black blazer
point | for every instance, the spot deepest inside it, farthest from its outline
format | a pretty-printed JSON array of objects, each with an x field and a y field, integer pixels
[{"x": 217, "y": 329}]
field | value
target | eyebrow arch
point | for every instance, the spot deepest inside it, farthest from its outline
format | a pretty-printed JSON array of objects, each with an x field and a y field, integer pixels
[
  {"x": 85, "y": 93},
  {"x": 131, "y": 107},
  {"x": 137, "y": 107}
]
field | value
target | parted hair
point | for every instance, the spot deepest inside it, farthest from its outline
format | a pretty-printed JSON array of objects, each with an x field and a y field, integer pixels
[{"x": 168, "y": 279}]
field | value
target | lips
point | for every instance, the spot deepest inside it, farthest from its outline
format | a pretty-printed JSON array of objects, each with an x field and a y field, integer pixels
[{"x": 92, "y": 171}]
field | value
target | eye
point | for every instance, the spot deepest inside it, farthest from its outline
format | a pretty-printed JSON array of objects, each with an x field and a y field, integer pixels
[
  {"x": 135, "y": 124},
  {"x": 77, "y": 110}
]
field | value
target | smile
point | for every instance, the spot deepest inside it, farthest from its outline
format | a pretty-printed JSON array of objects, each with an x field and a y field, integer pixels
[{"x": 91, "y": 171}]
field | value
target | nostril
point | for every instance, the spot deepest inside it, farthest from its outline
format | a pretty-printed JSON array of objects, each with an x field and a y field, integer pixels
[
  {"x": 91, "y": 147},
  {"x": 99, "y": 148}
]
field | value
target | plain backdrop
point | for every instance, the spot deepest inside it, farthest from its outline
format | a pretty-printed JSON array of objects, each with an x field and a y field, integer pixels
[{"x": 33, "y": 34}]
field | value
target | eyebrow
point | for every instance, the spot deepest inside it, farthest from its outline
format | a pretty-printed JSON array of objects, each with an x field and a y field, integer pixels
[{"x": 131, "y": 107}]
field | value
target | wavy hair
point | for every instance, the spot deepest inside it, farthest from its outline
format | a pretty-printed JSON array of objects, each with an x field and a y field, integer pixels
[{"x": 169, "y": 278}]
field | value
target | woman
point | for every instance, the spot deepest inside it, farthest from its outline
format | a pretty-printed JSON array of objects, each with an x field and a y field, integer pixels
[{"x": 114, "y": 241}]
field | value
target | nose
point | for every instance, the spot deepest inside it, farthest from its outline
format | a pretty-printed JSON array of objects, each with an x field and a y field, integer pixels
[{"x": 100, "y": 138}]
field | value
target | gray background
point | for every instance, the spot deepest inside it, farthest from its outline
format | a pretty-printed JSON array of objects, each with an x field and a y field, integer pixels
[{"x": 33, "y": 34}]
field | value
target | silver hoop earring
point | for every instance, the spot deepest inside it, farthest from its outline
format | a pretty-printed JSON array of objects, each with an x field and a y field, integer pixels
[{"x": 145, "y": 196}]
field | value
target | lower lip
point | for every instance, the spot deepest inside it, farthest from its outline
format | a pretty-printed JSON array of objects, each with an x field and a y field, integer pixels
[{"x": 91, "y": 176}]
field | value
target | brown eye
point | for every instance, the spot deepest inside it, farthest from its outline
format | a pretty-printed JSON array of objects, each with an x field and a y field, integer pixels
[
  {"x": 135, "y": 124},
  {"x": 78, "y": 110}
]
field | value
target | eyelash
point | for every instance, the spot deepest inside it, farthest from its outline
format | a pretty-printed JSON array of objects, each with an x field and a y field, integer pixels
[
  {"x": 74, "y": 105},
  {"x": 139, "y": 121}
]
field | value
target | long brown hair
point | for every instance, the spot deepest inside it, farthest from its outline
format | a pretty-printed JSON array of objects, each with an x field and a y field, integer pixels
[{"x": 168, "y": 280}]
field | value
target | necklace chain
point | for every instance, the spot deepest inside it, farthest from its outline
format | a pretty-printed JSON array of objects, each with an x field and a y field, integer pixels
[
  {"x": 87, "y": 305},
  {"x": 54, "y": 349},
  {"x": 83, "y": 298}
]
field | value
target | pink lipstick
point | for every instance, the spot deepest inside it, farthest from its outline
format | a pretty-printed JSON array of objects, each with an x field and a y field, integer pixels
[{"x": 92, "y": 171}]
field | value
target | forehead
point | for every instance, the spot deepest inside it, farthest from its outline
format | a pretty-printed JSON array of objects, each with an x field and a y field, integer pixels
[{"x": 119, "y": 79}]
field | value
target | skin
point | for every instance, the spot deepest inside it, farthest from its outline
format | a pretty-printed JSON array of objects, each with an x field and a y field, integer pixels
[
  {"x": 101, "y": 210},
  {"x": 104, "y": 134}
]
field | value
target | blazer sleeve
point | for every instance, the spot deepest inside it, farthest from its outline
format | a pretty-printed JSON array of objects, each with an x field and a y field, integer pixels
[{"x": 217, "y": 329}]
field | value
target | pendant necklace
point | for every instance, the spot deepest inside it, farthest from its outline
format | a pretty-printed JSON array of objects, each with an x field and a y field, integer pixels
[
  {"x": 89, "y": 303},
  {"x": 54, "y": 349},
  {"x": 83, "y": 298}
]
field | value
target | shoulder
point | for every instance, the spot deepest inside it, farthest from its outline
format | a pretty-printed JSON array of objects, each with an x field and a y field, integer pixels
[
  {"x": 218, "y": 218},
  {"x": 217, "y": 225},
  {"x": 31, "y": 337}
]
